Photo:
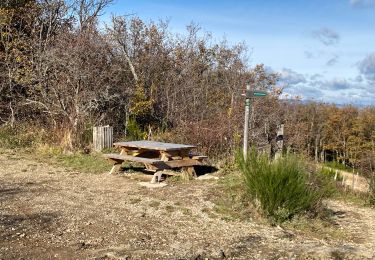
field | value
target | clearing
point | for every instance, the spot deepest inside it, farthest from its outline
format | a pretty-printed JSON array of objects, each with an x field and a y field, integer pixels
[{"x": 53, "y": 212}]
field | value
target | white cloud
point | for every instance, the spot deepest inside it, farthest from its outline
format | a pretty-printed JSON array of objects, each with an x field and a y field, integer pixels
[
  {"x": 338, "y": 90},
  {"x": 362, "y": 3},
  {"x": 333, "y": 60},
  {"x": 337, "y": 84},
  {"x": 289, "y": 76},
  {"x": 367, "y": 67},
  {"x": 326, "y": 36}
]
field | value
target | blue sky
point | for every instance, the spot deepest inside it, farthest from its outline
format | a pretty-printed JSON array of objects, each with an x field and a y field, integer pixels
[{"x": 324, "y": 49}]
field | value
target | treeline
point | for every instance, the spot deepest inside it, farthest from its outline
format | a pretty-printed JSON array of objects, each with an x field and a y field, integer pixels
[
  {"x": 62, "y": 71},
  {"x": 326, "y": 132}
]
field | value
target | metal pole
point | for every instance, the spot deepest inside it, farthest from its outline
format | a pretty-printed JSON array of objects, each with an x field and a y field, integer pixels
[{"x": 246, "y": 127}]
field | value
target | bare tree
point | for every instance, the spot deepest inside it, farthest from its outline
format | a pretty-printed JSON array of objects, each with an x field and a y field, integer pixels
[{"x": 88, "y": 11}]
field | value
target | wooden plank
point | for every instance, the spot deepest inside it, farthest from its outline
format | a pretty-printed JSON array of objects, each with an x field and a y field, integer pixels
[
  {"x": 152, "y": 145},
  {"x": 199, "y": 157},
  {"x": 182, "y": 163},
  {"x": 119, "y": 157},
  {"x": 151, "y": 167},
  {"x": 170, "y": 173}
]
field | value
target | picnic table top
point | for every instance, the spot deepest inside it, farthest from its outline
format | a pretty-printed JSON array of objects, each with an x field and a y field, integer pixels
[{"x": 152, "y": 145}]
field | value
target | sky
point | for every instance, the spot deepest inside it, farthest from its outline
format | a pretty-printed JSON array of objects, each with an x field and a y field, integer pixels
[{"x": 324, "y": 50}]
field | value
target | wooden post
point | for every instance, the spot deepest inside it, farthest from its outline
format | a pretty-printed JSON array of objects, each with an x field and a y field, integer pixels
[
  {"x": 102, "y": 137},
  {"x": 246, "y": 126},
  {"x": 279, "y": 141},
  {"x": 335, "y": 178}
]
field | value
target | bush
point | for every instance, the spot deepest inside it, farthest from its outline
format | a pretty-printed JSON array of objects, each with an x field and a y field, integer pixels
[
  {"x": 330, "y": 173},
  {"x": 20, "y": 137},
  {"x": 337, "y": 165},
  {"x": 134, "y": 131},
  {"x": 280, "y": 189}
]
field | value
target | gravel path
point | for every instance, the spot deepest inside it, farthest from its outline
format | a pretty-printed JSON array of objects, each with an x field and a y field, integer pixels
[{"x": 48, "y": 212}]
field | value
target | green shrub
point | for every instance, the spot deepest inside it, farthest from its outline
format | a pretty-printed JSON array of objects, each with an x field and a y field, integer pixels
[
  {"x": 280, "y": 189},
  {"x": 330, "y": 173},
  {"x": 12, "y": 138},
  {"x": 134, "y": 131},
  {"x": 337, "y": 165}
]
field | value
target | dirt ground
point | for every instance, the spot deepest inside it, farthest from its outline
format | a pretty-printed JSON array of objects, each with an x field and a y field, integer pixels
[{"x": 48, "y": 212}]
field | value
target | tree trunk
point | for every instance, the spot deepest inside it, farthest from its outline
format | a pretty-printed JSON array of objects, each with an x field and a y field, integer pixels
[{"x": 316, "y": 149}]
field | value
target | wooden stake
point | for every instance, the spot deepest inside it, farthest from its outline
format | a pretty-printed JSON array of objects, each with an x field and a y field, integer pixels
[{"x": 279, "y": 141}]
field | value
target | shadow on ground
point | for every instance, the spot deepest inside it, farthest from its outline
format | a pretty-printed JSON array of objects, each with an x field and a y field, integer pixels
[{"x": 205, "y": 169}]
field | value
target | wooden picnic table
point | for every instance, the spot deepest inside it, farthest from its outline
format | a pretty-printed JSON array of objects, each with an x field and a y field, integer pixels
[{"x": 156, "y": 156}]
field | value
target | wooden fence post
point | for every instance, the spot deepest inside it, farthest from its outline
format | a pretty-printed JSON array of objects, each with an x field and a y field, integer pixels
[
  {"x": 279, "y": 141},
  {"x": 102, "y": 137}
]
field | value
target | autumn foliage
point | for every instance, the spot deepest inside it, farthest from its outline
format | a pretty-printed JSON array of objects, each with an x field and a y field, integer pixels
[{"x": 63, "y": 71}]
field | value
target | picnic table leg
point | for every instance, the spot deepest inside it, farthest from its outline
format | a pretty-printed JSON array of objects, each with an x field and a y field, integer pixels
[
  {"x": 156, "y": 177},
  {"x": 189, "y": 172},
  {"x": 116, "y": 167}
]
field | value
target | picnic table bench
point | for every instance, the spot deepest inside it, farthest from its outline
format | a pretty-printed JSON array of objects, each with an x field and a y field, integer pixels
[{"x": 156, "y": 156}]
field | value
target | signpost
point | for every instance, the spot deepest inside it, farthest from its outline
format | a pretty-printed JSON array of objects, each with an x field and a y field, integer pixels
[
  {"x": 249, "y": 94},
  {"x": 255, "y": 93}
]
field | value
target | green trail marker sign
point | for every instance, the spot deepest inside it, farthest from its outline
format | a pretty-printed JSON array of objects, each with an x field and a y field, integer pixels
[
  {"x": 255, "y": 93},
  {"x": 249, "y": 94}
]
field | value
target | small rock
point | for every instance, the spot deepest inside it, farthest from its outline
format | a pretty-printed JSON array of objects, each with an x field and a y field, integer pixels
[
  {"x": 207, "y": 177},
  {"x": 221, "y": 254},
  {"x": 152, "y": 185}
]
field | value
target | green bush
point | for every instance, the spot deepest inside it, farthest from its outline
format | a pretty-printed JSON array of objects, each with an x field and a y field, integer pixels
[
  {"x": 134, "y": 131},
  {"x": 330, "y": 173},
  {"x": 337, "y": 165},
  {"x": 12, "y": 138},
  {"x": 280, "y": 189}
]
